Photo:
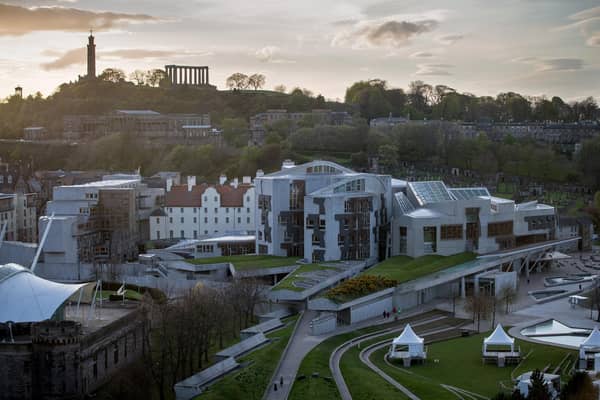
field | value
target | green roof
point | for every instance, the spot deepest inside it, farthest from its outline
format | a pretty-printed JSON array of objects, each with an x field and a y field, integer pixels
[{"x": 248, "y": 262}]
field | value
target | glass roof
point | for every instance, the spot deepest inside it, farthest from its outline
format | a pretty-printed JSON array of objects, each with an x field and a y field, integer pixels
[
  {"x": 405, "y": 205},
  {"x": 430, "y": 192},
  {"x": 468, "y": 193}
]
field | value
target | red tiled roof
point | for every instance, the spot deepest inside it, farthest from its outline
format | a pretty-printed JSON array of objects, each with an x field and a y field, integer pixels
[{"x": 179, "y": 196}]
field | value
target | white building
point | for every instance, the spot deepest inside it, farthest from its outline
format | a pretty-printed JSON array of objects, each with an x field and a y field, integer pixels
[
  {"x": 429, "y": 218},
  {"x": 323, "y": 211},
  {"x": 99, "y": 221},
  {"x": 195, "y": 211},
  {"x": 18, "y": 212}
]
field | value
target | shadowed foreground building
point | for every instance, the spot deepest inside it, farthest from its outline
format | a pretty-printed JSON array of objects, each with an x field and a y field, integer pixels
[{"x": 52, "y": 349}]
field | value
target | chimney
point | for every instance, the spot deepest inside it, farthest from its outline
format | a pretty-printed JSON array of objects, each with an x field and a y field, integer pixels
[
  {"x": 287, "y": 164},
  {"x": 169, "y": 184},
  {"x": 222, "y": 179},
  {"x": 259, "y": 173},
  {"x": 191, "y": 182},
  {"x": 235, "y": 182},
  {"x": 247, "y": 180}
]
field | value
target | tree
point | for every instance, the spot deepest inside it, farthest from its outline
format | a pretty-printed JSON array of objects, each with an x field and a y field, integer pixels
[
  {"x": 237, "y": 81},
  {"x": 113, "y": 75},
  {"x": 235, "y": 131},
  {"x": 139, "y": 77},
  {"x": 256, "y": 81},
  {"x": 154, "y": 77},
  {"x": 538, "y": 389},
  {"x": 579, "y": 387},
  {"x": 479, "y": 306},
  {"x": 508, "y": 294}
]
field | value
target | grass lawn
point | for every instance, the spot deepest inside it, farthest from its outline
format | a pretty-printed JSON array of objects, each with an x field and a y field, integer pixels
[
  {"x": 249, "y": 383},
  {"x": 403, "y": 268},
  {"x": 247, "y": 262},
  {"x": 129, "y": 294},
  {"x": 460, "y": 361},
  {"x": 288, "y": 282}
]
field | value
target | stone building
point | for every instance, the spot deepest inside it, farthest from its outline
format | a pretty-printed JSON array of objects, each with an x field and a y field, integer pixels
[{"x": 148, "y": 124}]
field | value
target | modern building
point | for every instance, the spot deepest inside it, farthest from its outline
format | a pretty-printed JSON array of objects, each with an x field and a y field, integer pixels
[
  {"x": 99, "y": 222},
  {"x": 323, "y": 211},
  {"x": 148, "y": 124},
  {"x": 429, "y": 218},
  {"x": 260, "y": 122},
  {"x": 198, "y": 211},
  {"x": 582, "y": 227},
  {"x": 18, "y": 212}
]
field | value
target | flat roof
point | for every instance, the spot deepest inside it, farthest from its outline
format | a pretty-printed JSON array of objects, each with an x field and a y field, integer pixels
[{"x": 107, "y": 183}]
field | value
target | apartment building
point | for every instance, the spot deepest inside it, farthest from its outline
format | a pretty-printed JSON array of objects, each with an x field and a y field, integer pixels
[
  {"x": 194, "y": 211},
  {"x": 18, "y": 212}
]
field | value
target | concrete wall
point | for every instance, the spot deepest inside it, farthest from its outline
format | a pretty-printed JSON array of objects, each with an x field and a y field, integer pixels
[{"x": 371, "y": 309}]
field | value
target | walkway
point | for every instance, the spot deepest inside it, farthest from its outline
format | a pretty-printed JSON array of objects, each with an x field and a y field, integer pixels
[
  {"x": 336, "y": 355},
  {"x": 303, "y": 342}
]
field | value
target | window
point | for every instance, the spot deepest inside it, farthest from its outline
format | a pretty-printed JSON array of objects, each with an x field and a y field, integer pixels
[
  {"x": 205, "y": 210},
  {"x": 170, "y": 210},
  {"x": 451, "y": 232},
  {"x": 170, "y": 220},
  {"x": 206, "y": 232},
  {"x": 158, "y": 220},
  {"x": 195, "y": 220},
  {"x": 204, "y": 248},
  {"x": 181, "y": 219},
  {"x": 195, "y": 234},
  {"x": 247, "y": 220},
  {"x": 226, "y": 210},
  {"x": 227, "y": 220},
  {"x": 239, "y": 220},
  {"x": 171, "y": 234},
  {"x": 181, "y": 210},
  {"x": 158, "y": 234},
  {"x": 248, "y": 210},
  {"x": 216, "y": 220},
  {"x": 500, "y": 228},
  {"x": 216, "y": 210},
  {"x": 195, "y": 209},
  {"x": 248, "y": 199},
  {"x": 206, "y": 220},
  {"x": 216, "y": 199},
  {"x": 182, "y": 234}
]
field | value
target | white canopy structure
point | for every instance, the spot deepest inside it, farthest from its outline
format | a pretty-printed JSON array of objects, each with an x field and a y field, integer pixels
[
  {"x": 408, "y": 344},
  {"x": 591, "y": 344},
  {"x": 498, "y": 338},
  {"x": 25, "y": 297}
]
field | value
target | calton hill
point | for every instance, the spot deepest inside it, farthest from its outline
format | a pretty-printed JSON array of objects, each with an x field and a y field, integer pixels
[{"x": 415, "y": 150}]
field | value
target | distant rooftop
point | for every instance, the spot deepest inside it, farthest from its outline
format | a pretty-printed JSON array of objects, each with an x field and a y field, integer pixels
[
  {"x": 137, "y": 112},
  {"x": 430, "y": 192}
]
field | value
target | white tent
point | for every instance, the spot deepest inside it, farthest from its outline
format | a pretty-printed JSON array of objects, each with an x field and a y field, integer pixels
[
  {"x": 25, "y": 297},
  {"x": 408, "y": 339},
  {"x": 591, "y": 343},
  {"x": 498, "y": 338}
]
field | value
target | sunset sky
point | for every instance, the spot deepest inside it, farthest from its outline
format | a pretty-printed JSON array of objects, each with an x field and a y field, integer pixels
[{"x": 534, "y": 47}]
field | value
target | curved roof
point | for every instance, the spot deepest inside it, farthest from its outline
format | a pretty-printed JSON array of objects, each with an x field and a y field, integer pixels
[{"x": 26, "y": 297}]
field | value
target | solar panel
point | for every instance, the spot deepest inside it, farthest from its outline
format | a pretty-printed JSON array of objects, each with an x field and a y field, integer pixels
[
  {"x": 468, "y": 193},
  {"x": 430, "y": 192}
]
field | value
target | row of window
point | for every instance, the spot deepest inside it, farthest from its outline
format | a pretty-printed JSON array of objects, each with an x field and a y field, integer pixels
[
  {"x": 182, "y": 234},
  {"x": 195, "y": 210},
  {"x": 195, "y": 220}
]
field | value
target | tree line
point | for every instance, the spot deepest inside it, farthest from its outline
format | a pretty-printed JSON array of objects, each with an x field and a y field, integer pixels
[{"x": 374, "y": 98}]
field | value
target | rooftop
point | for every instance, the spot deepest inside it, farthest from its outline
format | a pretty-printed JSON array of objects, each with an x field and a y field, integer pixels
[
  {"x": 248, "y": 262},
  {"x": 430, "y": 192}
]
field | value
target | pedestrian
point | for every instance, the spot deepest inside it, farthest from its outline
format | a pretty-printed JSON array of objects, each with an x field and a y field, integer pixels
[
  {"x": 394, "y": 311},
  {"x": 281, "y": 381},
  {"x": 275, "y": 387},
  {"x": 528, "y": 281},
  {"x": 383, "y": 314}
]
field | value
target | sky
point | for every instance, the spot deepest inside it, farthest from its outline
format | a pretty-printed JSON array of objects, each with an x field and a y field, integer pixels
[{"x": 534, "y": 47}]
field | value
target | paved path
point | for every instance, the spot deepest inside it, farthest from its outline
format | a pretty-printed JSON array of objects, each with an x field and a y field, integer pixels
[{"x": 336, "y": 355}]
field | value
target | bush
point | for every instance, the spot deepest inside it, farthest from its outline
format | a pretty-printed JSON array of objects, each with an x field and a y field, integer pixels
[{"x": 359, "y": 286}]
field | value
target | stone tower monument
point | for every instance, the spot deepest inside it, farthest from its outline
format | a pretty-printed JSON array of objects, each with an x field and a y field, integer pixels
[{"x": 91, "y": 57}]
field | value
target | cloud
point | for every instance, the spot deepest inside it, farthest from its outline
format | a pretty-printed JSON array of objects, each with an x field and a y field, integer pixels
[
  {"x": 382, "y": 33},
  {"x": 450, "y": 39},
  {"x": 270, "y": 54},
  {"x": 552, "y": 64},
  {"x": 434, "y": 69},
  {"x": 17, "y": 21},
  {"x": 588, "y": 23},
  {"x": 422, "y": 54},
  {"x": 78, "y": 56}
]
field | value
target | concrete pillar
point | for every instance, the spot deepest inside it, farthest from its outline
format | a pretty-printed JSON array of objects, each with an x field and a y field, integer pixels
[
  {"x": 463, "y": 288},
  {"x": 197, "y": 76},
  {"x": 476, "y": 286},
  {"x": 206, "y": 76}
]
